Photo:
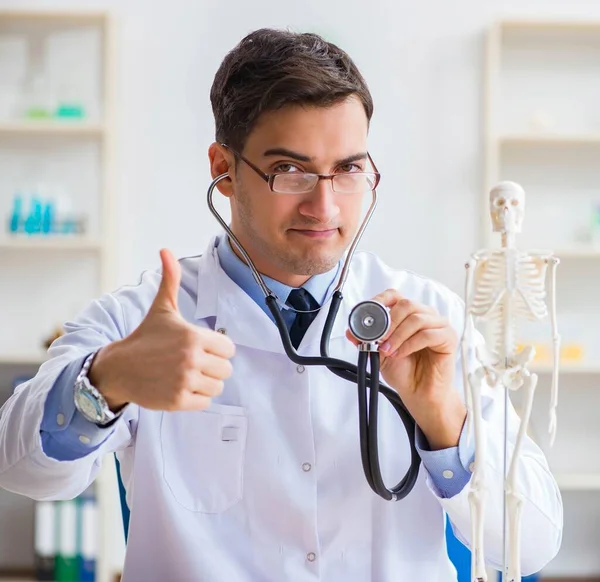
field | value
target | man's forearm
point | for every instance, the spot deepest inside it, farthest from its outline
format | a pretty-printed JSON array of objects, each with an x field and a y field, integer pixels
[{"x": 442, "y": 421}]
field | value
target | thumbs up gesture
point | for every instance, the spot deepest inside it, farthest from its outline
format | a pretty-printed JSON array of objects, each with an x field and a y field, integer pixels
[{"x": 166, "y": 363}]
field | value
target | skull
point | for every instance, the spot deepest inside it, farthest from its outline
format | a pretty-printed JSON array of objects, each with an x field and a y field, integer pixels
[{"x": 507, "y": 207}]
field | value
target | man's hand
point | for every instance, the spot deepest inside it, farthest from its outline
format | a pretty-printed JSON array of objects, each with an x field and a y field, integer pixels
[
  {"x": 417, "y": 360},
  {"x": 166, "y": 363}
]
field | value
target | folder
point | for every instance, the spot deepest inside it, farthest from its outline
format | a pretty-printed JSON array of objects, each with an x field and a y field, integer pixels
[
  {"x": 66, "y": 565},
  {"x": 44, "y": 539},
  {"x": 88, "y": 528}
]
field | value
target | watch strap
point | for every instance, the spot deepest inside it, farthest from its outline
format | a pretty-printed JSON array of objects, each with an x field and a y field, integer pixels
[{"x": 109, "y": 416}]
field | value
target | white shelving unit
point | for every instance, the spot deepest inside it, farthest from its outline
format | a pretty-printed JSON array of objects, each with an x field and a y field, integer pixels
[
  {"x": 53, "y": 128},
  {"x": 542, "y": 130},
  {"x": 52, "y": 244},
  {"x": 46, "y": 279}
]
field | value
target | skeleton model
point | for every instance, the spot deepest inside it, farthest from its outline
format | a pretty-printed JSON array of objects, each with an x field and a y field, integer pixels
[{"x": 504, "y": 285}]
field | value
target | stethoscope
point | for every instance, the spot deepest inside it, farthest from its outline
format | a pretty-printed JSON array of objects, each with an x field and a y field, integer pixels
[{"x": 369, "y": 321}]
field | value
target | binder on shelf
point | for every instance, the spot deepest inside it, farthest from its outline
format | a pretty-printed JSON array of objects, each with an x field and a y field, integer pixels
[
  {"x": 66, "y": 539},
  {"x": 66, "y": 565},
  {"x": 44, "y": 539},
  {"x": 88, "y": 528}
]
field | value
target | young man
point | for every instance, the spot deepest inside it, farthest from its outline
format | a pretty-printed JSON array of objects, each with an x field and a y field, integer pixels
[{"x": 239, "y": 465}]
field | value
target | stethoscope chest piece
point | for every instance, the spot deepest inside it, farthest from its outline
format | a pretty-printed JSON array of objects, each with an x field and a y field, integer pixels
[{"x": 369, "y": 321}]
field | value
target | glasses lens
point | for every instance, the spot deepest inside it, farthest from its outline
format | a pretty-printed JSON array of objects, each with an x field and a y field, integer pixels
[
  {"x": 294, "y": 183},
  {"x": 300, "y": 183},
  {"x": 357, "y": 183}
]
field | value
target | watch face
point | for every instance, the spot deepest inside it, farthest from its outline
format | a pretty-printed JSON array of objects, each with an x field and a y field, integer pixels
[{"x": 88, "y": 406}]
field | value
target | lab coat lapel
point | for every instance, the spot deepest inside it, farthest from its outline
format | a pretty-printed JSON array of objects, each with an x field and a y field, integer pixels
[
  {"x": 311, "y": 341},
  {"x": 238, "y": 315}
]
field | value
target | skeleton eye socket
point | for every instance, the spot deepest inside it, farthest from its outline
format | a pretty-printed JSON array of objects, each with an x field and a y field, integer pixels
[
  {"x": 514, "y": 202},
  {"x": 500, "y": 202}
]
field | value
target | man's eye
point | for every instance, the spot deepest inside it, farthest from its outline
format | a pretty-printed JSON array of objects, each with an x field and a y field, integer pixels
[
  {"x": 285, "y": 169},
  {"x": 348, "y": 168}
]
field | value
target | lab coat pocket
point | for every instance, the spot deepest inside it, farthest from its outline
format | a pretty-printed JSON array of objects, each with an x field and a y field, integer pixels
[{"x": 203, "y": 456}]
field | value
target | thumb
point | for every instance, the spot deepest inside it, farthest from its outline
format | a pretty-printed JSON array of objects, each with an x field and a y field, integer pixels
[{"x": 166, "y": 296}]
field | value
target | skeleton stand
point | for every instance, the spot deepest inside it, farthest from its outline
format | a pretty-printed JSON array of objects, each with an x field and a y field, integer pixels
[{"x": 503, "y": 286}]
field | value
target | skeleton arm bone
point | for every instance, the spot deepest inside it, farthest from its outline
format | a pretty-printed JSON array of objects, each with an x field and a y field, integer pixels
[
  {"x": 478, "y": 492},
  {"x": 553, "y": 261},
  {"x": 464, "y": 343}
]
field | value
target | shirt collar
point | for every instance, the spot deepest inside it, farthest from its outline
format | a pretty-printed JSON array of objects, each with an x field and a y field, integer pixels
[{"x": 319, "y": 286}]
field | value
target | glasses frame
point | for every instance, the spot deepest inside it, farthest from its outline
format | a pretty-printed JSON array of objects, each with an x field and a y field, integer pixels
[{"x": 270, "y": 178}]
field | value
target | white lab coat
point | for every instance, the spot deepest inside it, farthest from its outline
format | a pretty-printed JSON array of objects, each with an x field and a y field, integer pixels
[{"x": 283, "y": 497}]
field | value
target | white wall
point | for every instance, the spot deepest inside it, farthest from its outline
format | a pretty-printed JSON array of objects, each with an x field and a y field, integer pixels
[{"x": 423, "y": 61}]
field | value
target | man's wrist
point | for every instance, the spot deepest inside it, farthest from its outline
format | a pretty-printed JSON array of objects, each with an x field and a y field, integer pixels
[
  {"x": 100, "y": 378},
  {"x": 443, "y": 421}
]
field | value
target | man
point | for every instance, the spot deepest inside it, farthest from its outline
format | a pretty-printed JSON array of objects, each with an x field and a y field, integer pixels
[{"x": 241, "y": 466}]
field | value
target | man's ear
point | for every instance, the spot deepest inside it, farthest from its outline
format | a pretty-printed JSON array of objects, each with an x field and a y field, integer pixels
[{"x": 221, "y": 162}]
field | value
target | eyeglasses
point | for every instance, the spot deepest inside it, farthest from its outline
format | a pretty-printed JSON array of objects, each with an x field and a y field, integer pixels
[{"x": 304, "y": 182}]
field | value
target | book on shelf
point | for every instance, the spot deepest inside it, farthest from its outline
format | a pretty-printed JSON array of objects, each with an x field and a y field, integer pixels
[{"x": 66, "y": 539}]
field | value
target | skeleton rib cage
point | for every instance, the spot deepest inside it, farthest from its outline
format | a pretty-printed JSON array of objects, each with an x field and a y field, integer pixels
[{"x": 509, "y": 280}]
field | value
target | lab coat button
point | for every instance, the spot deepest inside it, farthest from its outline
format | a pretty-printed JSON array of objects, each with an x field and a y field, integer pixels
[
  {"x": 448, "y": 474},
  {"x": 84, "y": 439},
  {"x": 306, "y": 467},
  {"x": 300, "y": 368},
  {"x": 311, "y": 557},
  {"x": 472, "y": 467},
  {"x": 60, "y": 419}
]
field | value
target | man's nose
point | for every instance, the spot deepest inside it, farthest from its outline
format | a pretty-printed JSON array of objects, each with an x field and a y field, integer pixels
[{"x": 321, "y": 204}]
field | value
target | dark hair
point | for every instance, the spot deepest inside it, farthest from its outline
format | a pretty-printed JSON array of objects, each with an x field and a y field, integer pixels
[{"x": 271, "y": 68}]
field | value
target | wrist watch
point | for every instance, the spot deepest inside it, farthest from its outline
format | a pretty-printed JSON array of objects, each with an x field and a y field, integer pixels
[{"x": 88, "y": 399}]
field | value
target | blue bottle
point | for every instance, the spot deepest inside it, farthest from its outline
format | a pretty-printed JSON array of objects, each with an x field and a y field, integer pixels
[
  {"x": 48, "y": 218},
  {"x": 33, "y": 224},
  {"x": 15, "y": 219}
]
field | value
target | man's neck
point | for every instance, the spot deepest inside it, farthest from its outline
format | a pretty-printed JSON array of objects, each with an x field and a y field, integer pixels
[{"x": 288, "y": 279}]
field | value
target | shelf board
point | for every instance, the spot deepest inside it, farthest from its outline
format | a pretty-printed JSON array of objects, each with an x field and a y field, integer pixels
[
  {"x": 583, "y": 252},
  {"x": 23, "y": 359},
  {"x": 578, "y": 481},
  {"x": 566, "y": 368},
  {"x": 574, "y": 252},
  {"x": 51, "y": 127},
  {"x": 52, "y": 16},
  {"x": 50, "y": 243},
  {"x": 549, "y": 138},
  {"x": 549, "y": 24}
]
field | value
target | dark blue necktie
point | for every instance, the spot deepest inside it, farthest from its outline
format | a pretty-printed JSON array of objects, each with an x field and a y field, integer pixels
[{"x": 302, "y": 300}]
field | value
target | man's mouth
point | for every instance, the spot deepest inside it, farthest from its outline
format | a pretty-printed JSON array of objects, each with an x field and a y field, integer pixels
[{"x": 315, "y": 232}]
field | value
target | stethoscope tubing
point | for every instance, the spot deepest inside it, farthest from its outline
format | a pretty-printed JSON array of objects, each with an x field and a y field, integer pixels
[
  {"x": 368, "y": 412},
  {"x": 368, "y": 415}
]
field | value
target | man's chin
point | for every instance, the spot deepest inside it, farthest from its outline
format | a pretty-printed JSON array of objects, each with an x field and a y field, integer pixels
[{"x": 317, "y": 264}]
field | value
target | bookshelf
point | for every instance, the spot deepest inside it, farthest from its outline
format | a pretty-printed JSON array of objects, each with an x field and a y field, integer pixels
[
  {"x": 542, "y": 130},
  {"x": 57, "y": 112}
]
